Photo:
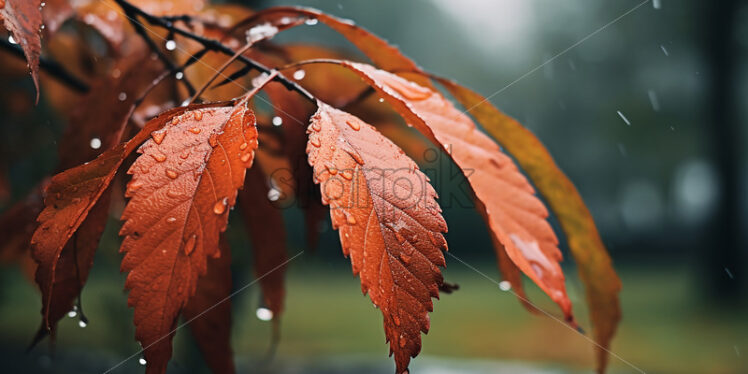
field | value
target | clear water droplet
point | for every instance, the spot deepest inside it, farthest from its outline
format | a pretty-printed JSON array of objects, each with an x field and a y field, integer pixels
[
  {"x": 198, "y": 115},
  {"x": 179, "y": 75},
  {"x": 274, "y": 194},
  {"x": 142, "y": 361},
  {"x": 82, "y": 324},
  {"x": 158, "y": 136},
  {"x": 95, "y": 143},
  {"x": 171, "y": 174},
  {"x": 158, "y": 156},
  {"x": 311, "y": 21},
  {"x": 277, "y": 121},
  {"x": 299, "y": 74},
  {"x": 220, "y": 205},
  {"x": 315, "y": 142},
  {"x": 195, "y": 130},
  {"x": 171, "y": 220},
  {"x": 354, "y": 125},
  {"x": 11, "y": 40},
  {"x": 171, "y": 45},
  {"x": 350, "y": 219},
  {"x": 190, "y": 245},
  {"x": 264, "y": 314},
  {"x": 505, "y": 286}
]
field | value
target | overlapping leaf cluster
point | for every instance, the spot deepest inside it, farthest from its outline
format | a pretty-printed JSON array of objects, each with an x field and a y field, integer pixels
[{"x": 196, "y": 161}]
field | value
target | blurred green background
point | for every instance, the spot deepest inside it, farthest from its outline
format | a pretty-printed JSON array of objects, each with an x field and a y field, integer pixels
[{"x": 644, "y": 109}]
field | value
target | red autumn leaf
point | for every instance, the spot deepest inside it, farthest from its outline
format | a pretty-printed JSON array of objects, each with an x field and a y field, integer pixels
[
  {"x": 69, "y": 198},
  {"x": 595, "y": 267},
  {"x": 183, "y": 186},
  {"x": 23, "y": 18},
  {"x": 17, "y": 224},
  {"x": 390, "y": 224},
  {"x": 208, "y": 312},
  {"x": 294, "y": 113},
  {"x": 264, "y": 223},
  {"x": 516, "y": 217},
  {"x": 98, "y": 118}
]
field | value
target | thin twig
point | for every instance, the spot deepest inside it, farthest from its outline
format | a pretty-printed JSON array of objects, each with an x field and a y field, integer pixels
[
  {"x": 213, "y": 45},
  {"x": 220, "y": 70},
  {"x": 50, "y": 66},
  {"x": 132, "y": 17}
]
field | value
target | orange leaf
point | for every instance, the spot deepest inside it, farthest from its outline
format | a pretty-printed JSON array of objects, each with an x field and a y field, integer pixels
[
  {"x": 264, "y": 223},
  {"x": 23, "y": 18},
  {"x": 294, "y": 113},
  {"x": 390, "y": 224},
  {"x": 183, "y": 186},
  {"x": 595, "y": 267},
  {"x": 69, "y": 198},
  {"x": 515, "y": 216},
  {"x": 208, "y": 312}
]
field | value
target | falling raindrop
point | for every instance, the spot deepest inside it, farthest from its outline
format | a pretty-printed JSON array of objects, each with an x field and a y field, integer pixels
[
  {"x": 11, "y": 40},
  {"x": 623, "y": 118},
  {"x": 122, "y": 96},
  {"x": 622, "y": 149},
  {"x": 505, "y": 286},
  {"x": 95, "y": 143},
  {"x": 277, "y": 121},
  {"x": 299, "y": 74},
  {"x": 653, "y": 100},
  {"x": 73, "y": 312},
  {"x": 171, "y": 45},
  {"x": 264, "y": 314},
  {"x": 729, "y": 273},
  {"x": 664, "y": 50},
  {"x": 142, "y": 361},
  {"x": 82, "y": 324}
]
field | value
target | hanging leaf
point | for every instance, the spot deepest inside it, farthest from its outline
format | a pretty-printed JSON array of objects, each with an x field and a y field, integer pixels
[
  {"x": 208, "y": 312},
  {"x": 390, "y": 224},
  {"x": 23, "y": 18},
  {"x": 183, "y": 186},
  {"x": 595, "y": 267},
  {"x": 69, "y": 198},
  {"x": 265, "y": 226},
  {"x": 515, "y": 216}
]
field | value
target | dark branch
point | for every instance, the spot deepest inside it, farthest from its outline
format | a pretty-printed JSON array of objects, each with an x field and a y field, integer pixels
[
  {"x": 132, "y": 17},
  {"x": 51, "y": 67},
  {"x": 211, "y": 44}
]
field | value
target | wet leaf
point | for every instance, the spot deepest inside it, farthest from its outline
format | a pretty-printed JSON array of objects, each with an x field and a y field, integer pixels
[
  {"x": 184, "y": 184},
  {"x": 595, "y": 267},
  {"x": 388, "y": 220},
  {"x": 23, "y": 18},
  {"x": 515, "y": 216},
  {"x": 208, "y": 312}
]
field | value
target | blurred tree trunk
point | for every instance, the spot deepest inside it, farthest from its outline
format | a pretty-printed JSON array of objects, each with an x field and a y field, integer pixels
[{"x": 724, "y": 268}]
